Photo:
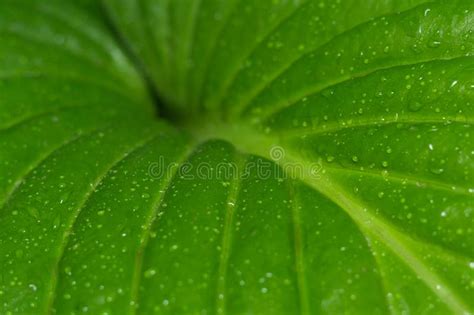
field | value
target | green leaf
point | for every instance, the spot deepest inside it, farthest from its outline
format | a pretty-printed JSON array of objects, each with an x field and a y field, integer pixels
[{"x": 318, "y": 159}]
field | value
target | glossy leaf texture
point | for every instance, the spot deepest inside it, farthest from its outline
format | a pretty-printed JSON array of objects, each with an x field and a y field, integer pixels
[{"x": 321, "y": 162}]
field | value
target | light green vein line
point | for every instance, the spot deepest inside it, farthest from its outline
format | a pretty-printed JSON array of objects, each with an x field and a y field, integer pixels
[
  {"x": 79, "y": 55},
  {"x": 26, "y": 119},
  {"x": 373, "y": 225},
  {"x": 21, "y": 178},
  {"x": 387, "y": 234},
  {"x": 168, "y": 44},
  {"x": 166, "y": 37},
  {"x": 318, "y": 87},
  {"x": 234, "y": 190},
  {"x": 272, "y": 30},
  {"x": 69, "y": 21},
  {"x": 248, "y": 102},
  {"x": 273, "y": 77},
  {"x": 100, "y": 38},
  {"x": 383, "y": 281},
  {"x": 189, "y": 48},
  {"x": 298, "y": 250},
  {"x": 199, "y": 97},
  {"x": 389, "y": 175},
  {"x": 375, "y": 122},
  {"x": 150, "y": 220},
  {"x": 85, "y": 32},
  {"x": 155, "y": 63},
  {"x": 392, "y": 238},
  {"x": 41, "y": 73},
  {"x": 221, "y": 94},
  {"x": 51, "y": 290}
]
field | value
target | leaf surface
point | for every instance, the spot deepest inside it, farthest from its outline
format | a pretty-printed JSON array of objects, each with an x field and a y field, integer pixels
[{"x": 321, "y": 163}]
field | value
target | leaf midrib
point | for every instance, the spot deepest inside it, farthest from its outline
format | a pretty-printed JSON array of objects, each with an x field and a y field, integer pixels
[
  {"x": 298, "y": 251},
  {"x": 369, "y": 224}
]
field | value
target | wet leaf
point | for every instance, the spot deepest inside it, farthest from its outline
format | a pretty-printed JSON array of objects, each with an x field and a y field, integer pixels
[{"x": 312, "y": 157}]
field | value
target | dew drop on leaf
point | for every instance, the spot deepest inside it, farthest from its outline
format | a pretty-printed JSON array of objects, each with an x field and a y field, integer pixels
[
  {"x": 33, "y": 212},
  {"x": 434, "y": 44},
  {"x": 415, "y": 106},
  {"x": 149, "y": 273},
  {"x": 437, "y": 170}
]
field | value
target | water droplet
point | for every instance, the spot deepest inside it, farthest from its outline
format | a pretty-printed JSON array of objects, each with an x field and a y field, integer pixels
[
  {"x": 437, "y": 170},
  {"x": 327, "y": 93},
  {"x": 19, "y": 253},
  {"x": 414, "y": 106},
  {"x": 434, "y": 44},
  {"x": 56, "y": 222},
  {"x": 33, "y": 212},
  {"x": 330, "y": 158},
  {"x": 149, "y": 273}
]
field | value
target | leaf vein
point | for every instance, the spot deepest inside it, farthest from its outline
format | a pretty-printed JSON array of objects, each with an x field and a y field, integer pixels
[
  {"x": 298, "y": 250},
  {"x": 231, "y": 78},
  {"x": 377, "y": 122},
  {"x": 392, "y": 238},
  {"x": 271, "y": 78},
  {"x": 151, "y": 219},
  {"x": 405, "y": 178},
  {"x": 312, "y": 90},
  {"x": 234, "y": 190},
  {"x": 18, "y": 182},
  {"x": 70, "y": 226}
]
